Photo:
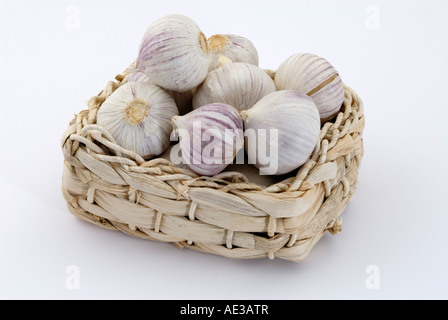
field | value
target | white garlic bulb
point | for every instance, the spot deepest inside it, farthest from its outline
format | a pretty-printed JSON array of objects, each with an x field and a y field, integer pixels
[
  {"x": 210, "y": 137},
  {"x": 239, "y": 84},
  {"x": 234, "y": 47},
  {"x": 138, "y": 116},
  {"x": 286, "y": 126},
  {"x": 174, "y": 53},
  {"x": 184, "y": 100},
  {"x": 316, "y": 77}
]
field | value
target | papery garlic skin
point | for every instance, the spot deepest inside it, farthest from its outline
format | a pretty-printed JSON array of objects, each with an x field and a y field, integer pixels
[
  {"x": 138, "y": 76},
  {"x": 240, "y": 85},
  {"x": 216, "y": 127},
  {"x": 294, "y": 119},
  {"x": 222, "y": 60},
  {"x": 184, "y": 100},
  {"x": 138, "y": 116},
  {"x": 316, "y": 77},
  {"x": 234, "y": 47},
  {"x": 174, "y": 53}
]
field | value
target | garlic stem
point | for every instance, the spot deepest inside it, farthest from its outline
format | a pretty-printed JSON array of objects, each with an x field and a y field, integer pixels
[{"x": 244, "y": 115}]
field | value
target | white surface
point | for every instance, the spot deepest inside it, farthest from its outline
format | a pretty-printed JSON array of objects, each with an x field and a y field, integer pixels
[{"x": 396, "y": 221}]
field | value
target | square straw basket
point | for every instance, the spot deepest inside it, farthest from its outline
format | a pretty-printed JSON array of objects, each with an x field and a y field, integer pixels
[{"x": 226, "y": 215}]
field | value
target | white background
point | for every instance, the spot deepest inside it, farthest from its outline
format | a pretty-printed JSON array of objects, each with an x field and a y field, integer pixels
[{"x": 393, "y": 53}]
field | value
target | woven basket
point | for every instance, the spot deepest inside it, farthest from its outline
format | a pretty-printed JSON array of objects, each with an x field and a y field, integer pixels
[{"x": 227, "y": 215}]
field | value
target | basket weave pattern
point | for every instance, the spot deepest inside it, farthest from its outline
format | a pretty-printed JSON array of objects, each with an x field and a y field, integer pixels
[{"x": 227, "y": 214}]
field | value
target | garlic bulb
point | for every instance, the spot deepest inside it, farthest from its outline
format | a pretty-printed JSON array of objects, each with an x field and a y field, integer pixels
[
  {"x": 236, "y": 48},
  {"x": 138, "y": 76},
  {"x": 240, "y": 85},
  {"x": 316, "y": 77},
  {"x": 184, "y": 100},
  {"x": 210, "y": 137},
  {"x": 284, "y": 124},
  {"x": 138, "y": 116},
  {"x": 174, "y": 53}
]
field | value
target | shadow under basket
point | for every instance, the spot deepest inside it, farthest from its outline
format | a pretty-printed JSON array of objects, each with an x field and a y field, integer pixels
[{"x": 227, "y": 215}]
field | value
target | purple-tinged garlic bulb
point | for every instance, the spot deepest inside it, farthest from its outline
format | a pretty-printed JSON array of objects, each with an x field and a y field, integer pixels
[
  {"x": 238, "y": 84},
  {"x": 315, "y": 77},
  {"x": 174, "y": 53},
  {"x": 138, "y": 116},
  {"x": 210, "y": 137},
  {"x": 138, "y": 76},
  {"x": 282, "y": 130},
  {"x": 234, "y": 47}
]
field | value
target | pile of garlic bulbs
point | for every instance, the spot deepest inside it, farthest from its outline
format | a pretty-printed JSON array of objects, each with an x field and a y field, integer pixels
[{"x": 197, "y": 90}]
